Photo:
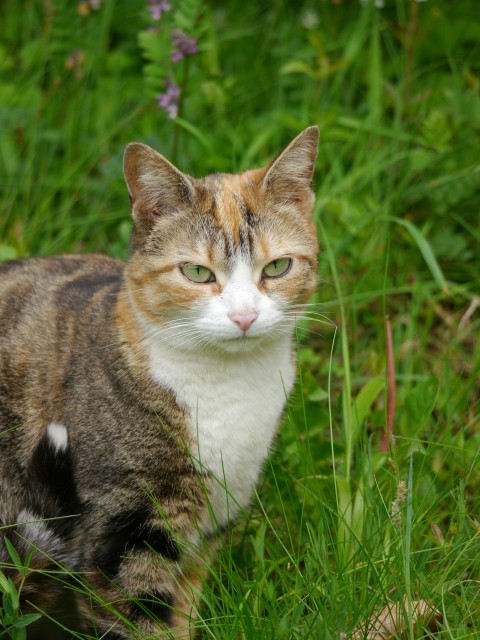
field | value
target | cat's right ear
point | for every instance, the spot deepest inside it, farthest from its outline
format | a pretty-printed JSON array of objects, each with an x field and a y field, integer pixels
[{"x": 155, "y": 185}]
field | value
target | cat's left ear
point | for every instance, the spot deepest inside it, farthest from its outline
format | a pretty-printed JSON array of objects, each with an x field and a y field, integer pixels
[{"x": 289, "y": 176}]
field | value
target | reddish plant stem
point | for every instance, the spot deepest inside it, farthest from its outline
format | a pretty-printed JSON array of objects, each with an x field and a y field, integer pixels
[{"x": 391, "y": 388}]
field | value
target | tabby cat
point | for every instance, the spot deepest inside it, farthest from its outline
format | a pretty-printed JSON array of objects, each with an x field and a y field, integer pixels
[{"x": 138, "y": 401}]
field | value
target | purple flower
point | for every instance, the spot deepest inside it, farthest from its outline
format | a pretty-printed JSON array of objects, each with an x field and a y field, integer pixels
[
  {"x": 168, "y": 101},
  {"x": 157, "y": 7},
  {"x": 182, "y": 45}
]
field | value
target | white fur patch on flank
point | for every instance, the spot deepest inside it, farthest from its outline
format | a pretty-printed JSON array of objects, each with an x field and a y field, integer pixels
[{"x": 58, "y": 435}]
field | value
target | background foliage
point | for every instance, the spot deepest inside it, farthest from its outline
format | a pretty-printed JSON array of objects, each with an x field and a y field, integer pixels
[{"x": 394, "y": 87}]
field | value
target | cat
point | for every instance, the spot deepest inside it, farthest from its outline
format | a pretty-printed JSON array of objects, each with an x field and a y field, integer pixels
[{"x": 138, "y": 400}]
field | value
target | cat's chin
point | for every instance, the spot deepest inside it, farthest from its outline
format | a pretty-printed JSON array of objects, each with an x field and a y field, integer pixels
[{"x": 241, "y": 344}]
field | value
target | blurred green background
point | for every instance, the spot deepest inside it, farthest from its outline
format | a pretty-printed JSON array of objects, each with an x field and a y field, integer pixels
[{"x": 394, "y": 86}]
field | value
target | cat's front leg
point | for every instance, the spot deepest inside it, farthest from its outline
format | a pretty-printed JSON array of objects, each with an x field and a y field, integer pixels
[{"x": 144, "y": 593}]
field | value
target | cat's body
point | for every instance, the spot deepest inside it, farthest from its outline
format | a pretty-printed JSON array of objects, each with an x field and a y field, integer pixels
[{"x": 138, "y": 401}]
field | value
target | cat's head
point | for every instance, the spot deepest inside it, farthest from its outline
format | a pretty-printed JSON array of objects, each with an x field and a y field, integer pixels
[{"x": 224, "y": 261}]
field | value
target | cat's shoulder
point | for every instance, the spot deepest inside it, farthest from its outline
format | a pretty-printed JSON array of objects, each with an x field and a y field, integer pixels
[{"x": 57, "y": 270}]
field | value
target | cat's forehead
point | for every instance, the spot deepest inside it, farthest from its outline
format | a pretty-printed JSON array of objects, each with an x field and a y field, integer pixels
[
  {"x": 232, "y": 218},
  {"x": 231, "y": 198},
  {"x": 229, "y": 205}
]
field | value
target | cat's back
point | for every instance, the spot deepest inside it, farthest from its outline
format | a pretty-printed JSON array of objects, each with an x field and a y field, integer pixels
[
  {"x": 21, "y": 280},
  {"x": 49, "y": 310},
  {"x": 35, "y": 293},
  {"x": 40, "y": 297}
]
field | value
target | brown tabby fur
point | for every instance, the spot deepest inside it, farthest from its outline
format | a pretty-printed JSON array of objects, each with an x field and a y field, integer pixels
[{"x": 121, "y": 501}]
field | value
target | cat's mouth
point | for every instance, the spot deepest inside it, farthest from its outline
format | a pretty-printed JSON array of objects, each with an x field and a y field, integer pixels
[
  {"x": 248, "y": 335},
  {"x": 242, "y": 342}
]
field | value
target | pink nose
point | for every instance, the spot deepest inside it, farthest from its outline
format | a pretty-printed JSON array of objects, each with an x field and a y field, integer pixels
[{"x": 244, "y": 320}]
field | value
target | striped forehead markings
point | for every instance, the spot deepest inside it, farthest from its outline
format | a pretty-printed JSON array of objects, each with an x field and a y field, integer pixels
[
  {"x": 233, "y": 219},
  {"x": 249, "y": 217}
]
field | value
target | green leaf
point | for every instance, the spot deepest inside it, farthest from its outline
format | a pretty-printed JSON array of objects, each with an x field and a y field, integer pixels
[
  {"x": 420, "y": 402},
  {"x": 26, "y": 620},
  {"x": 426, "y": 251},
  {"x": 344, "y": 523},
  {"x": 8, "y": 608},
  {"x": 319, "y": 395},
  {"x": 366, "y": 398},
  {"x": 375, "y": 77},
  {"x": 11, "y": 592},
  {"x": 358, "y": 512},
  {"x": 3, "y": 583},
  {"x": 13, "y": 554},
  {"x": 7, "y": 252},
  {"x": 7, "y": 619},
  {"x": 308, "y": 356},
  {"x": 437, "y": 131},
  {"x": 297, "y": 66},
  {"x": 344, "y": 493},
  {"x": 195, "y": 131},
  {"x": 19, "y": 634}
]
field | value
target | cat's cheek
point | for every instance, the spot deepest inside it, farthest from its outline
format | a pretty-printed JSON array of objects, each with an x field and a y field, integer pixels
[
  {"x": 291, "y": 293},
  {"x": 295, "y": 288},
  {"x": 305, "y": 288},
  {"x": 167, "y": 295},
  {"x": 214, "y": 320}
]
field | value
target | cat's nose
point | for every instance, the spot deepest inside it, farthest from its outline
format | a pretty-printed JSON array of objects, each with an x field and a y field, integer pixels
[{"x": 244, "y": 320}]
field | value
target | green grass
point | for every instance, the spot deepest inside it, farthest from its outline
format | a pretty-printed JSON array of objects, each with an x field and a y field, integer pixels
[{"x": 396, "y": 94}]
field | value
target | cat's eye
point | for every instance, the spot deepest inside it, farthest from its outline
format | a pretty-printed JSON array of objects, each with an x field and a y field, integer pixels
[
  {"x": 277, "y": 268},
  {"x": 197, "y": 273}
]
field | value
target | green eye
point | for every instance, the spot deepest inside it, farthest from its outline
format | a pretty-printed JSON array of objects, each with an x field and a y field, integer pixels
[
  {"x": 277, "y": 268},
  {"x": 197, "y": 273}
]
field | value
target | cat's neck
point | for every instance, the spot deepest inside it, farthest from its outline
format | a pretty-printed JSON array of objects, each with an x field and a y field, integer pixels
[{"x": 233, "y": 403}]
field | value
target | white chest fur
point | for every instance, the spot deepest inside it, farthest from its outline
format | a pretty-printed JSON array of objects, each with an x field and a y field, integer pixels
[{"x": 234, "y": 404}]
